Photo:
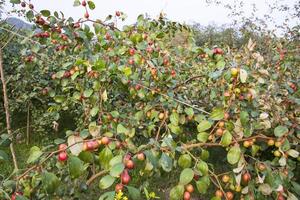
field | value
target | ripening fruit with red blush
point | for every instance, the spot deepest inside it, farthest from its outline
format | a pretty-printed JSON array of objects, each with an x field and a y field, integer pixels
[
  {"x": 119, "y": 187},
  {"x": 105, "y": 140},
  {"x": 173, "y": 73},
  {"x": 131, "y": 52},
  {"x": 118, "y": 13},
  {"x": 31, "y": 6},
  {"x": 125, "y": 178},
  {"x": 62, "y": 146},
  {"x": 86, "y": 15},
  {"x": 140, "y": 156},
  {"x": 131, "y": 61},
  {"x": 83, "y": 3},
  {"x": 107, "y": 36},
  {"x": 129, "y": 164},
  {"x": 229, "y": 195},
  {"x": 186, "y": 195},
  {"x": 246, "y": 177},
  {"x": 23, "y": 4},
  {"x": 190, "y": 188},
  {"x": 62, "y": 156},
  {"x": 14, "y": 195},
  {"x": 219, "y": 193}
]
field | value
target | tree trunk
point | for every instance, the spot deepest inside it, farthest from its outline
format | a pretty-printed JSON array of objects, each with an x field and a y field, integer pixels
[
  {"x": 7, "y": 115},
  {"x": 28, "y": 124}
]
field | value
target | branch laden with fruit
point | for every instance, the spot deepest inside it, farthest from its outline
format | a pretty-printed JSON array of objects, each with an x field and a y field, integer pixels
[{"x": 149, "y": 104}]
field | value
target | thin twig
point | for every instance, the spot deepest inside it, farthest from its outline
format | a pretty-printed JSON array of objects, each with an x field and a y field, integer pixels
[{"x": 88, "y": 182}]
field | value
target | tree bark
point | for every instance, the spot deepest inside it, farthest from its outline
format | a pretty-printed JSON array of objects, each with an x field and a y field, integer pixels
[
  {"x": 7, "y": 114},
  {"x": 28, "y": 125}
]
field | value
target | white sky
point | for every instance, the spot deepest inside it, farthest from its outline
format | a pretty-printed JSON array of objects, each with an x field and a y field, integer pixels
[{"x": 179, "y": 10}]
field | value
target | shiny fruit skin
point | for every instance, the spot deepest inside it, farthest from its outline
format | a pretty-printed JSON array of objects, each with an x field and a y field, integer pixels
[
  {"x": 86, "y": 15},
  {"x": 190, "y": 188},
  {"x": 131, "y": 52},
  {"x": 219, "y": 132},
  {"x": 219, "y": 193},
  {"x": 141, "y": 156},
  {"x": 221, "y": 124},
  {"x": 280, "y": 197},
  {"x": 161, "y": 116},
  {"x": 229, "y": 195},
  {"x": 261, "y": 167},
  {"x": 271, "y": 142},
  {"x": 62, "y": 156},
  {"x": 278, "y": 144},
  {"x": 90, "y": 145},
  {"x": 131, "y": 61},
  {"x": 225, "y": 178},
  {"x": 62, "y": 146},
  {"x": 129, "y": 164},
  {"x": 234, "y": 72},
  {"x": 246, "y": 177},
  {"x": 125, "y": 178},
  {"x": 105, "y": 140},
  {"x": 246, "y": 144},
  {"x": 277, "y": 153},
  {"x": 14, "y": 195},
  {"x": 126, "y": 158},
  {"x": 186, "y": 195},
  {"x": 119, "y": 187}
]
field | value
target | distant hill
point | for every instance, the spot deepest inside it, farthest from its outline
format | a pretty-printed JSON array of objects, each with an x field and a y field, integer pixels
[{"x": 18, "y": 23}]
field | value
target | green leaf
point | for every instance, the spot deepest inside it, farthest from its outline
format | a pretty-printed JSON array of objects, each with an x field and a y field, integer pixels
[
  {"x": 279, "y": 131},
  {"x": 217, "y": 114},
  {"x": 30, "y": 15},
  {"x": 106, "y": 181},
  {"x": 34, "y": 154},
  {"x": 50, "y": 182},
  {"x": 116, "y": 160},
  {"x": 189, "y": 111},
  {"x": 176, "y": 193},
  {"x": 226, "y": 138},
  {"x": 166, "y": 162},
  {"x": 202, "y": 184},
  {"x": 265, "y": 189},
  {"x": 45, "y": 13},
  {"x": 174, "y": 118},
  {"x": 202, "y": 137},
  {"x": 134, "y": 193},
  {"x": 86, "y": 156},
  {"x": 15, "y": 1},
  {"x": 234, "y": 154},
  {"x": 87, "y": 93},
  {"x": 3, "y": 156},
  {"x": 91, "y": 5},
  {"x": 204, "y": 125},
  {"x": 104, "y": 157},
  {"x": 76, "y": 167},
  {"x": 20, "y": 197},
  {"x": 121, "y": 129},
  {"x": 244, "y": 116},
  {"x": 117, "y": 169},
  {"x": 108, "y": 196},
  {"x": 186, "y": 176},
  {"x": 76, "y": 3},
  {"x": 185, "y": 161},
  {"x": 94, "y": 111},
  {"x": 243, "y": 75},
  {"x": 202, "y": 167}
]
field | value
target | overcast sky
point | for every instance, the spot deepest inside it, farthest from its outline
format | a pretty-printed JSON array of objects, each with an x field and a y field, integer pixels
[{"x": 188, "y": 11}]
